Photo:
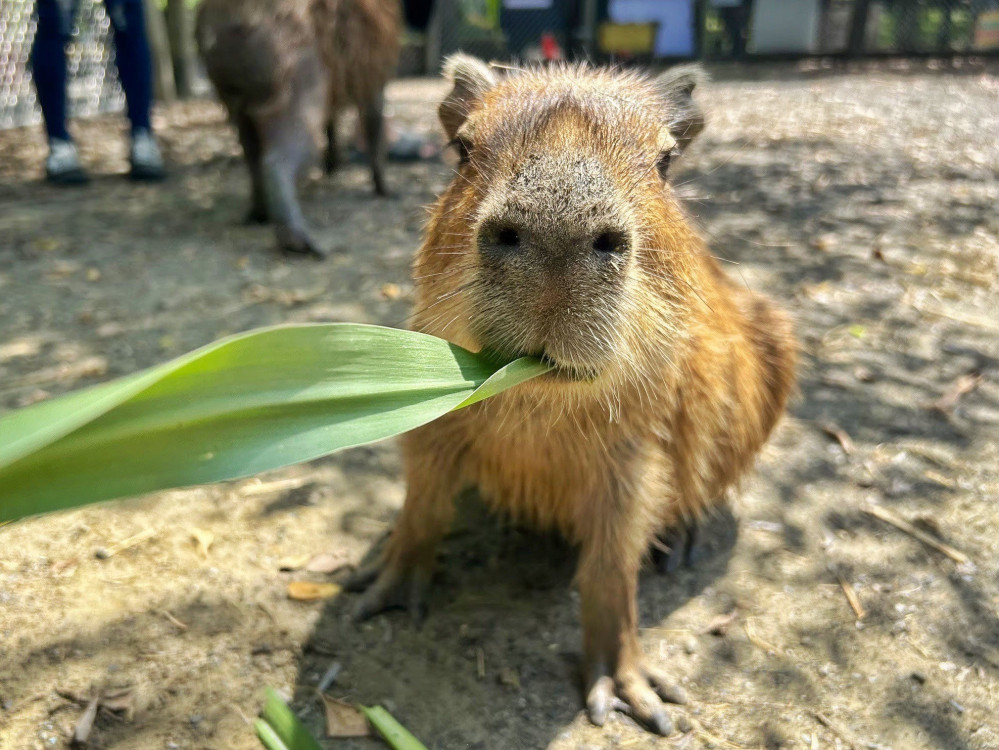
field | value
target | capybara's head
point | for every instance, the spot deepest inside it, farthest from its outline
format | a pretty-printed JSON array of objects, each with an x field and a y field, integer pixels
[{"x": 561, "y": 229}]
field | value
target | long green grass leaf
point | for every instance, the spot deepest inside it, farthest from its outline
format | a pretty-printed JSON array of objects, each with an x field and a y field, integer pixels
[
  {"x": 268, "y": 736},
  {"x": 249, "y": 403},
  {"x": 286, "y": 725},
  {"x": 394, "y": 733}
]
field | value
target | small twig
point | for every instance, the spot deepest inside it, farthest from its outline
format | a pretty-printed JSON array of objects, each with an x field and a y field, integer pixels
[
  {"x": 851, "y": 597},
  {"x": 839, "y": 435},
  {"x": 105, "y": 552},
  {"x": 887, "y": 516},
  {"x": 757, "y": 641},
  {"x": 960, "y": 387},
  {"x": 835, "y": 729},
  {"x": 72, "y": 697},
  {"x": 26, "y": 702},
  {"x": 922, "y": 651},
  {"x": 330, "y": 677},
  {"x": 173, "y": 619}
]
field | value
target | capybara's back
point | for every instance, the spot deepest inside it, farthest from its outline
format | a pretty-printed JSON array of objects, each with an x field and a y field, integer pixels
[
  {"x": 251, "y": 47},
  {"x": 361, "y": 49}
]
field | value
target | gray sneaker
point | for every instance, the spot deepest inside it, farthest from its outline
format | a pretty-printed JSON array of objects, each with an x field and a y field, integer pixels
[
  {"x": 62, "y": 166},
  {"x": 145, "y": 157}
]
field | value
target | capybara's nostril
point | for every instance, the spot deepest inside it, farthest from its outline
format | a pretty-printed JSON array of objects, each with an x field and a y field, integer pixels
[
  {"x": 610, "y": 241},
  {"x": 508, "y": 237},
  {"x": 500, "y": 237}
]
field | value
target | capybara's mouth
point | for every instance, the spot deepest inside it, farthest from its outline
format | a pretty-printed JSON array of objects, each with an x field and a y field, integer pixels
[{"x": 563, "y": 371}]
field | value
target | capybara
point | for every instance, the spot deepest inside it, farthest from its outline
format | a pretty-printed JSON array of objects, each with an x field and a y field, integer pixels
[
  {"x": 284, "y": 70},
  {"x": 562, "y": 238}
]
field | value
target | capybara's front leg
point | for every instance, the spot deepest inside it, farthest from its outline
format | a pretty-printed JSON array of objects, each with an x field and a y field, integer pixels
[
  {"x": 399, "y": 574},
  {"x": 617, "y": 676}
]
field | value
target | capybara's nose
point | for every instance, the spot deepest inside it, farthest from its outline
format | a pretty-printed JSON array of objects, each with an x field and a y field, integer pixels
[{"x": 507, "y": 238}]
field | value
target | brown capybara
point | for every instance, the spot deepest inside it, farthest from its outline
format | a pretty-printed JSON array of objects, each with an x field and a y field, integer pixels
[
  {"x": 284, "y": 70},
  {"x": 561, "y": 238}
]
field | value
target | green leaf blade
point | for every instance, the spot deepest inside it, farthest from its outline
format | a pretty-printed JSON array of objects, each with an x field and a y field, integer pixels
[
  {"x": 285, "y": 726},
  {"x": 246, "y": 404},
  {"x": 394, "y": 733}
]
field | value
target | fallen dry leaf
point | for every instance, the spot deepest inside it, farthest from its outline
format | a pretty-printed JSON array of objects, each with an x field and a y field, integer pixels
[
  {"x": 508, "y": 676},
  {"x": 81, "y": 733},
  {"x": 204, "y": 538},
  {"x": 293, "y": 562},
  {"x": 720, "y": 624},
  {"x": 325, "y": 562},
  {"x": 344, "y": 719},
  {"x": 961, "y": 387},
  {"x": 119, "y": 701},
  {"x": 307, "y": 591}
]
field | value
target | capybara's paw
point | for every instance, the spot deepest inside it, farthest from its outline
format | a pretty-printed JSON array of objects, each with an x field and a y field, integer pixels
[
  {"x": 256, "y": 215},
  {"x": 297, "y": 242},
  {"x": 677, "y": 546},
  {"x": 638, "y": 692},
  {"x": 389, "y": 587}
]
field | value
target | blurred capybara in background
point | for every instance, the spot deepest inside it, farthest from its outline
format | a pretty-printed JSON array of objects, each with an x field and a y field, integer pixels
[{"x": 284, "y": 69}]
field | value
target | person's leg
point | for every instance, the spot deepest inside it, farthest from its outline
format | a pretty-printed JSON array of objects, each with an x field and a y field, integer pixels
[
  {"x": 48, "y": 65},
  {"x": 48, "y": 68},
  {"x": 135, "y": 73},
  {"x": 131, "y": 48}
]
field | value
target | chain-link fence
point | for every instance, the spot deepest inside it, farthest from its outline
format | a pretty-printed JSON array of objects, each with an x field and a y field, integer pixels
[
  {"x": 641, "y": 30},
  {"x": 93, "y": 80}
]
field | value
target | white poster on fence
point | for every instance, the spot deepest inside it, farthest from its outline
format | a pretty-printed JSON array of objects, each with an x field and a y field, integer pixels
[{"x": 675, "y": 37}]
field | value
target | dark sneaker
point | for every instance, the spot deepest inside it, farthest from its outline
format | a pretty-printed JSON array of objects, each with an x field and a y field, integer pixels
[
  {"x": 62, "y": 166},
  {"x": 145, "y": 157}
]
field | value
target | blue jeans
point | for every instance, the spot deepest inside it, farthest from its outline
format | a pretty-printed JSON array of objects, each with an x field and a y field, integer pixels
[{"x": 56, "y": 19}]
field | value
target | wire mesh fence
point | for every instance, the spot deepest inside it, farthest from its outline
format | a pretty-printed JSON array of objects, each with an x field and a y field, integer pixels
[
  {"x": 640, "y": 30},
  {"x": 92, "y": 81}
]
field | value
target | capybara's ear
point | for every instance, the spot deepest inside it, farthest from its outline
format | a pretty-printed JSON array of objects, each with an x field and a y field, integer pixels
[
  {"x": 471, "y": 78},
  {"x": 686, "y": 119}
]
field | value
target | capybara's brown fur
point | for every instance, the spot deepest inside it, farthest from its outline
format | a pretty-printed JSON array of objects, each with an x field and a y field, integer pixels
[
  {"x": 561, "y": 238},
  {"x": 284, "y": 70}
]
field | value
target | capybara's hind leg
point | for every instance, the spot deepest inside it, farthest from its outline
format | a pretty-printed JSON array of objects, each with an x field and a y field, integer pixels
[
  {"x": 331, "y": 159},
  {"x": 679, "y": 545},
  {"x": 374, "y": 135},
  {"x": 249, "y": 139},
  {"x": 287, "y": 147}
]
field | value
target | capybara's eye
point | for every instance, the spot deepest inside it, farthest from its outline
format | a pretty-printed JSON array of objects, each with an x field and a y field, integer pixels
[
  {"x": 464, "y": 149},
  {"x": 663, "y": 162}
]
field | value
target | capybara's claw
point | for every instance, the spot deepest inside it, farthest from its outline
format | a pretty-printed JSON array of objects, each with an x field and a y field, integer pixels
[
  {"x": 637, "y": 693},
  {"x": 389, "y": 589}
]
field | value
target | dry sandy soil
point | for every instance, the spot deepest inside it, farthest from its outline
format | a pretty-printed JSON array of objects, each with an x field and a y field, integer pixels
[{"x": 864, "y": 199}]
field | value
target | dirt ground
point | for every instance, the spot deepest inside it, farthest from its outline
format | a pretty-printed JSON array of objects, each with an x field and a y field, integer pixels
[{"x": 865, "y": 200}]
